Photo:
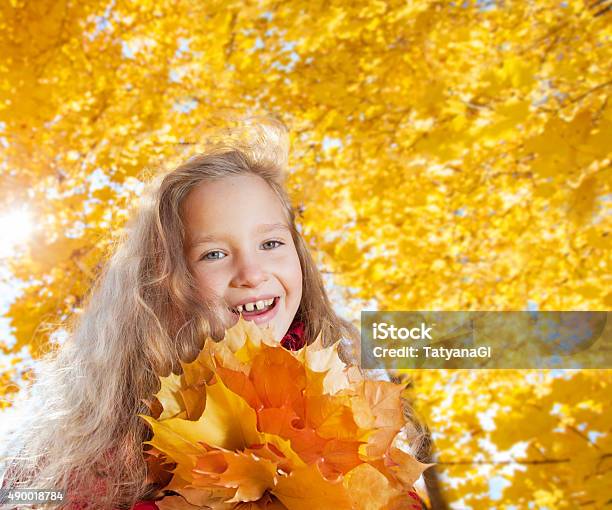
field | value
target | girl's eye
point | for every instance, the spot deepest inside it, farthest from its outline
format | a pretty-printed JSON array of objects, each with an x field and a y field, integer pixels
[
  {"x": 269, "y": 244},
  {"x": 212, "y": 255},
  {"x": 218, "y": 255}
]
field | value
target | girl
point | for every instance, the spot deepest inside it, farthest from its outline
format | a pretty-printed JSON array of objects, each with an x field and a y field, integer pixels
[{"x": 212, "y": 239}]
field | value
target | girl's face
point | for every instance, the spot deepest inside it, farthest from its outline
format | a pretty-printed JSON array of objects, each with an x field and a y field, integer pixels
[{"x": 241, "y": 252}]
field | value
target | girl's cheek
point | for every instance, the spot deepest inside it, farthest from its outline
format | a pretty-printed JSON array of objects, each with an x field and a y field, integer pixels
[{"x": 208, "y": 294}]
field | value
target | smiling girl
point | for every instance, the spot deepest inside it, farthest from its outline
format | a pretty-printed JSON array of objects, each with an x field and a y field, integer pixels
[
  {"x": 241, "y": 251},
  {"x": 212, "y": 239}
]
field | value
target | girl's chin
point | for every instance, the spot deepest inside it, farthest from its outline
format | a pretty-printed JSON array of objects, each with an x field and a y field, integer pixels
[{"x": 233, "y": 320}]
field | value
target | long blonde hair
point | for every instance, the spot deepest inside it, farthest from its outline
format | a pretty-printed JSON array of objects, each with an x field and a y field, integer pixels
[{"x": 80, "y": 429}]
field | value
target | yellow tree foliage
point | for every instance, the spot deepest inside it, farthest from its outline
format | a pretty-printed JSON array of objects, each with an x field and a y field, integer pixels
[{"x": 446, "y": 155}]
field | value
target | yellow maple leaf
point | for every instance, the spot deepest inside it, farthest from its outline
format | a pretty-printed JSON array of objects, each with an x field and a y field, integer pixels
[
  {"x": 248, "y": 473},
  {"x": 305, "y": 489}
]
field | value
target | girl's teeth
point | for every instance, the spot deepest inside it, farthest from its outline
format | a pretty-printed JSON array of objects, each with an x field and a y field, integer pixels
[{"x": 256, "y": 305}]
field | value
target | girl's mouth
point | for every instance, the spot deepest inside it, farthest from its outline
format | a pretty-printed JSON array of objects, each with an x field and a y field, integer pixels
[{"x": 260, "y": 312}]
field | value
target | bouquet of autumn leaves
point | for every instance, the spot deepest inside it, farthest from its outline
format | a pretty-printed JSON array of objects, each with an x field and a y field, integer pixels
[{"x": 249, "y": 424}]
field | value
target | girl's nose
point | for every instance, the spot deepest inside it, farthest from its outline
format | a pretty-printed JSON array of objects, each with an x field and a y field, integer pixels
[{"x": 249, "y": 273}]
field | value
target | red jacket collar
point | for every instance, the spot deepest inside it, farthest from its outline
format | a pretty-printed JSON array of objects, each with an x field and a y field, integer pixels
[{"x": 295, "y": 338}]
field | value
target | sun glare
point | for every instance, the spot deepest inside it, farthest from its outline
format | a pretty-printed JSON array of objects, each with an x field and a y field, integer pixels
[{"x": 15, "y": 229}]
